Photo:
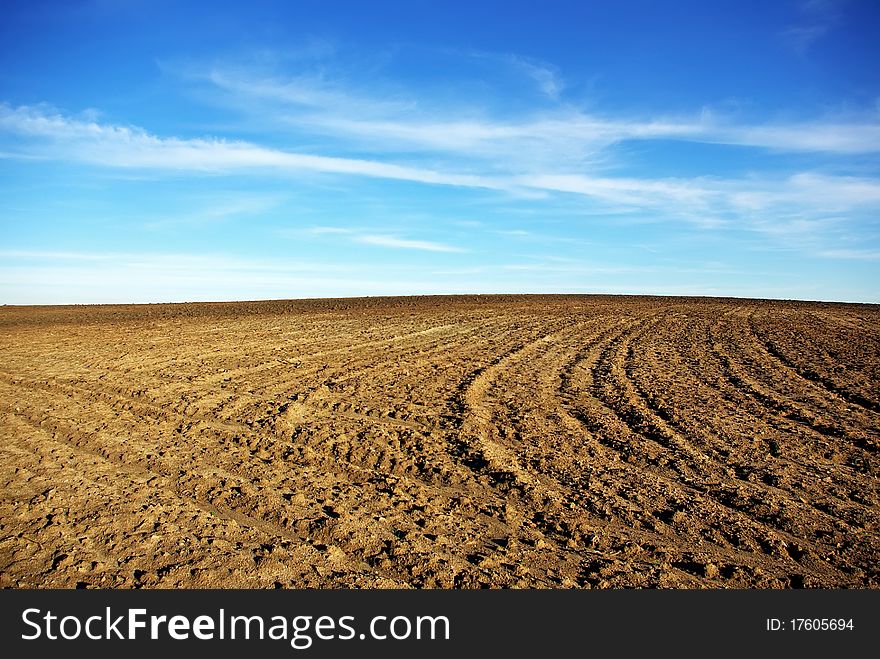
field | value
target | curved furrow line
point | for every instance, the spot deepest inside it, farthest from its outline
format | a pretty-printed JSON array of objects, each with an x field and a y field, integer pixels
[
  {"x": 719, "y": 422},
  {"x": 468, "y": 416},
  {"x": 491, "y": 449},
  {"x": 605, "y": 427},
  {"x": 721, "y": 494},
  {"x": 749, "y": 391},
  {"x": 842, "y": 343},
  {"x": 472, "y": 445},
  {"x": 324, "y": 375},
  {"x": 752, "y": 358},
  {"x": 613, "y": 387},
  {"x": 137, "y": 397},
  {"x": 738, "y": 533},
  {"x": 176, "y": 371},
  {"x": 735, "y": 453},
  {"x": 340, "y": 452},
  {"x": 531, "y": 442},
  {"x": 592, "y": 413},
  {"x": 786, "y": 408},
  {"x": 231, "y": 340},
  {"x": 338, "y": 380},
  {"x": 809, "y": 375},
  {"x": 692, "y": 447},
  {"x": 250, "y": 369},
  {"x": 577, "y": 463},
  {"x": 587, "y": 406},
  {"x": 763, "y": 531},
  {"x": 818, "y": 492},
  {"x": 837, "y": 349}
]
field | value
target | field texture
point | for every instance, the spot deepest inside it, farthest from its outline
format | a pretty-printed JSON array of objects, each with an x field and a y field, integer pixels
[{"x": 540, "y": 442}]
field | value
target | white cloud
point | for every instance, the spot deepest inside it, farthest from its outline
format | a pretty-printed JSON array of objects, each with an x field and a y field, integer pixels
[
  {"x": 544, "y": 76},
  {"x": 851, "y": 254},
  {"x": 573, "y": 136},
  {"x": 321, "y": 231},
  {"x": 59, "y": 137},
  {"x": 565, "y": 134},
  {"x": 313, "y": 91},
  {"x": 809, "y": 191},
  {"x": 401, "y": 243},
  {"x": 379, "y": 240},
  {"x": 705, "y": 202},
  {"x": 546, "y": 79},
  {"x": 818, "y": 17},
  {"x": 212, "y": 209},
  {"x": 627, "y": 191},
  {"x": 818, "y": 137}
]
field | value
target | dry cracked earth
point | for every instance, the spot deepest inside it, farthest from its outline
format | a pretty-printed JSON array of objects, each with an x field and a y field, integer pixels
[{"x": 441, "y": 442}]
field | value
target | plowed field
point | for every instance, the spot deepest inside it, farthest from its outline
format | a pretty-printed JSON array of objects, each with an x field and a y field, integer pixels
[{"x": 463, "y": 442}]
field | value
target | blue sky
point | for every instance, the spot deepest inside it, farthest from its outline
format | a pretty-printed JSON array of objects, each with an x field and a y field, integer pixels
[{"x": 224, "y": 151}]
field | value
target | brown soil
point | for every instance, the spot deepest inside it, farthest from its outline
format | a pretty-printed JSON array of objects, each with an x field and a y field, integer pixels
[{"x": 492, "y": 441}]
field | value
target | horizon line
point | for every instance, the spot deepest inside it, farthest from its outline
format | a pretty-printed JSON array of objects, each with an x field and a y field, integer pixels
[{"x": 412, "y": 296}]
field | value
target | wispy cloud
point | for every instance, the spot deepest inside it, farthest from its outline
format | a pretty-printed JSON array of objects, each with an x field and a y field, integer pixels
[
  {"x": 402, "y": 243},
  {"x": 817, "y": 18},
  {"x": 316, "y": 161},
  {"x": 365, "y": 237},
  {"x": 851, "y": 254},
  {"x": 575, "y": 136},
  {"x": 323, "y": 231},
  {"x": 214, "y": 209},
  {"x": 702, "y": 201},
  {"x": 544, "y": 75},
  {"x": 306, "y": 91},
  {"x": 561, "y": 134},
  {"x": 831, "y": 137},
  {"x": 626, "y": 191},
  {"x": 62, "y": 138},
  {"x": 546, "y": 78}
]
